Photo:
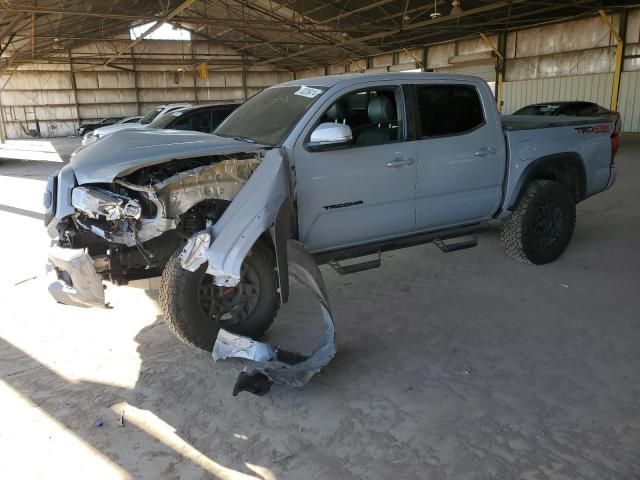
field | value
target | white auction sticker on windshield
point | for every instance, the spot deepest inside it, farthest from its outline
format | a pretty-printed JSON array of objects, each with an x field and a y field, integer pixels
[{"x": 308, "y": 92}]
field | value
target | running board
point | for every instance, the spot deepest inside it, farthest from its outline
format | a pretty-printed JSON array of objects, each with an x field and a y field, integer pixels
[
  {"x": 454, "y": 247},
  {"x": 356, "y": 267}
]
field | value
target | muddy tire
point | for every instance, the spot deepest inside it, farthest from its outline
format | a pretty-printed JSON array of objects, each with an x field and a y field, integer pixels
[
  {"x": 194, "y": 309},
  {"x": 541, "y": 226}
]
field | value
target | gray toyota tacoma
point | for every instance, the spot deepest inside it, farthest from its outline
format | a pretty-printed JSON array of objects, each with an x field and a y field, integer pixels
[{"x": 342, "y": 166}]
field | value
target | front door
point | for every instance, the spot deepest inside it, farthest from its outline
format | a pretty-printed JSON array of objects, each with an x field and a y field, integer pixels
[{"x": 365, "y": 192}]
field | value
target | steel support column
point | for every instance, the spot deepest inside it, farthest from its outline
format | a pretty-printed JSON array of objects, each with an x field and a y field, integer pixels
[
  {"x": 617, "y": 71},
  {"x": 499, "y": 51},
  {"x": 74, "y": 87}
]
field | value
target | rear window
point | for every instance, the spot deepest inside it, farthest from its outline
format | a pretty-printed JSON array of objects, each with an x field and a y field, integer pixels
[
  {"x": 547, "y": 110},
  {"x": 448, "y": 109}
]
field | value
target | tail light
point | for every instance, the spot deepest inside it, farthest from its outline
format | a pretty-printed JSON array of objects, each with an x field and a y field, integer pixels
[{"x": 615, "y": 144}]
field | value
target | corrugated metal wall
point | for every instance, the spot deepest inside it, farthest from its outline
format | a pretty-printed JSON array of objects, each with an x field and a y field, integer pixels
[
  {"x": 592, "y": 88},
  {"x": 629, "y": 104},
  {"x": 42, "y": 96}
]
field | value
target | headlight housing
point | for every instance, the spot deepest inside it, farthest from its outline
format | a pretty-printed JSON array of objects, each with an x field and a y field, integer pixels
[{"x": 104, "y": 205}]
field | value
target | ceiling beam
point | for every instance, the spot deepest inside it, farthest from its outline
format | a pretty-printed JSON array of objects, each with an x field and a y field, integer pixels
[
  {"x": 10, "y": 27},
  {"x": 282, "y": 26},
  {"x": 412, "y": 26}
]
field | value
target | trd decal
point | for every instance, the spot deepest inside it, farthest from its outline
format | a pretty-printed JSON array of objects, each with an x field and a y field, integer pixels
[
  {"x": 593, "y": 129},
  {"x": 343, "y": 205}
]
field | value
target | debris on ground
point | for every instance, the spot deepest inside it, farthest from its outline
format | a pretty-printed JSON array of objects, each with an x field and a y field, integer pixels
[{"x": 268, "y": 364}]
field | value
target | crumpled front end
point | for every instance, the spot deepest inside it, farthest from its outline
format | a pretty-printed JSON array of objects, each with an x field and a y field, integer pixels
[
  {"x": 221, "y": 205},
  {"x": 130, "y": 227}
]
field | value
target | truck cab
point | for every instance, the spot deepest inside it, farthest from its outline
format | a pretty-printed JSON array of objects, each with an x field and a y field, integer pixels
[{"x": 424, "y": 155}]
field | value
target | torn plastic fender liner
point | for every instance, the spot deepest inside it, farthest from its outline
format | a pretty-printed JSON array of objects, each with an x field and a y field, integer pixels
[
  {"x": 277, "y": 365},
  {"x": 194, "y": 252},
  {"x": 250, "y": 214},
  {"x": 81, "y": 285}
]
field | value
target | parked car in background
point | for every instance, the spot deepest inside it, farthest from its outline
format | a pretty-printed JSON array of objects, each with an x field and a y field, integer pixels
[
  {"x": 88, "y": 127},
  {"x": 149, "y": 117},
  {"x": 205, "y": 119},
  {"x": 198, "y": 119},
  {"x": 134, "y": 119},
  {"x": 572, "y": 109}
]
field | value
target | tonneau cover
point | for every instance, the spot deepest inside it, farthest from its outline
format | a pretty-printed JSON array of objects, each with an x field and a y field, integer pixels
[{"x": 530, "y": 122}]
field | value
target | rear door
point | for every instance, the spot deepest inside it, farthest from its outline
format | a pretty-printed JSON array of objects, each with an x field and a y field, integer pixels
[
  {"x": 461, "y": 155},
  {"x": 364, "y": 192}
]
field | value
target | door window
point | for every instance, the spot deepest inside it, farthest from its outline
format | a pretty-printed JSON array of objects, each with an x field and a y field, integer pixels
[
  {"x": 373, "y": 114},
  {"x": 201, "y": 122},
  {"x": 183, "y": 123},
  {"x": 448, "y": 109}
]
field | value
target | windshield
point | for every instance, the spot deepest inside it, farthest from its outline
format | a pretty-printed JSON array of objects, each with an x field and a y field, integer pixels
[
  {"x": 268, "y": 117},
  {"x": 167, "y": 118},
  {"x": 148, "y": 118},
  {"x": 547, "y": 110}
]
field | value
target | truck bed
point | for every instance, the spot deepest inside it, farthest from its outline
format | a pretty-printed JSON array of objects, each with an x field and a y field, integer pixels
[{"x": 531, "y": 122}]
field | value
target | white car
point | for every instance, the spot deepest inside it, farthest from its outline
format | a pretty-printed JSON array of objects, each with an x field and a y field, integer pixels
[{"x": 159, "y": 111}]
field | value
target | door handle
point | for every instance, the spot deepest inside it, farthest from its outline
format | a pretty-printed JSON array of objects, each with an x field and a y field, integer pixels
[
  {"x": 400, "y": 162},
  {"x": 484, "y": 151}
]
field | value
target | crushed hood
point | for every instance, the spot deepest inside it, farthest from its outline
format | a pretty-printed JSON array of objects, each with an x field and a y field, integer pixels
[{"x": 128, "y": 150}]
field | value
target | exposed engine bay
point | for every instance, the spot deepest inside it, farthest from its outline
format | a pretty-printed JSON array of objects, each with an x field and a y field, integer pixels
[{"x": 133, "y": 225}]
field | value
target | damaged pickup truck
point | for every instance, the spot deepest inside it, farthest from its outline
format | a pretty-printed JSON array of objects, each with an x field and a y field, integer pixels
[{"x": 324, "y": 170}]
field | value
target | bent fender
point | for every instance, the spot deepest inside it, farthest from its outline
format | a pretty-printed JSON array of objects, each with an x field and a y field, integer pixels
[
  {"x": 251, "y": 213},
  {"x": 261, "y": 205}
]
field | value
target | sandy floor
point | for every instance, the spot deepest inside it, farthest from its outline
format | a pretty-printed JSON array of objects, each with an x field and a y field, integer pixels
[{"x": 459, "y": 366}]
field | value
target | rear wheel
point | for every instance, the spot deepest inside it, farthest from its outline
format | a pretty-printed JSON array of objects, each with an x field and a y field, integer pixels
[
  {"x": 541, "y": 226},
  {"x": 195, "y": 309}
]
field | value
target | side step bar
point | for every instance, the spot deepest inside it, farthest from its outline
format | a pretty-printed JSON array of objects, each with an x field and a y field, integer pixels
[
  {"x": 356, "y": 267},
  {"x": 454, "y": 247},
  {"x": 439, "y": 239}
]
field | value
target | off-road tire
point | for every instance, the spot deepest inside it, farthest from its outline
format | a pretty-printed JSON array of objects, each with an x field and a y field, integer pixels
[
  {"x": 184, "y": 316},
  {"x": 521, "y": 241}
]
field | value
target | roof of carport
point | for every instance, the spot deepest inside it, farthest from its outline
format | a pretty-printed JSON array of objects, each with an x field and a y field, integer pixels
[{"x": 292, "y": 34}]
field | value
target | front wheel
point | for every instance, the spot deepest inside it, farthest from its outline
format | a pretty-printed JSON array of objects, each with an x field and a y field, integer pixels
[
  {"x": 195, "y": 309},
  {"x": 541, "y": 226}
]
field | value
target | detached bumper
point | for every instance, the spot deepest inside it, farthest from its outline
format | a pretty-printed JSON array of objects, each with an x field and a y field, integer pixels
[{"x": 74, "y": 280}]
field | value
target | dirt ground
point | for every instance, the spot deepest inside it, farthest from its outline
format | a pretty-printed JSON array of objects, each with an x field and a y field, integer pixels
[{"x": 459, "y": 366}]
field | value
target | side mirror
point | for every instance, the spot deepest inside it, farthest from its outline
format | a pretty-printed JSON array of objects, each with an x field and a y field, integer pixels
[{"x": 330, "y": 135}]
